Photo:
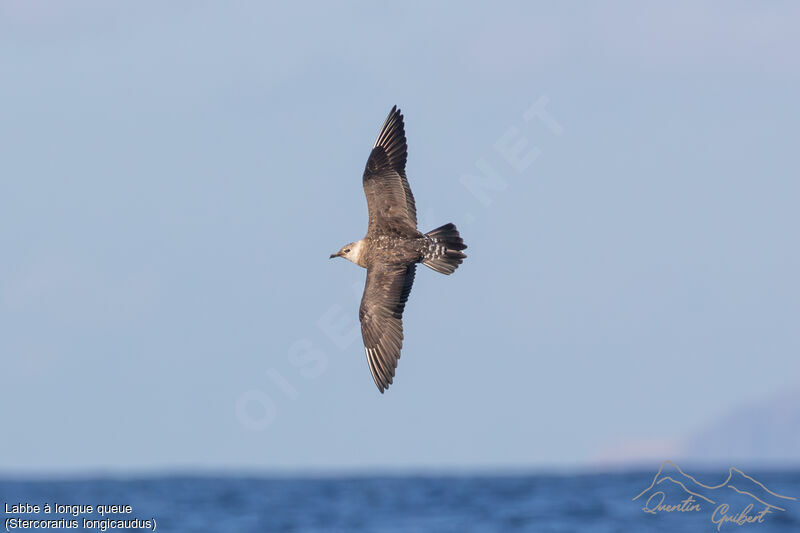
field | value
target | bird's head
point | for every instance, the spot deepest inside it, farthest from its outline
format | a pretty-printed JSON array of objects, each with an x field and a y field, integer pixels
[{"x": 351, "y": 252}]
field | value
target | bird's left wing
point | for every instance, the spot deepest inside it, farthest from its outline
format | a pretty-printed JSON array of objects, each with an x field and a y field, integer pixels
[
  {"x": 381, "y": 315},
  {"x": 389, "y": 198}
]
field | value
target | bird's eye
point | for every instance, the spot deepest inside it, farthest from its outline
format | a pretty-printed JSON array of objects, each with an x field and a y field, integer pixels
[{"x": 347, "y": 251}]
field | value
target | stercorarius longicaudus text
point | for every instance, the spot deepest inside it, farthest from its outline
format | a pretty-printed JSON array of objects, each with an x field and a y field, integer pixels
[{"x": 392, "y": 248}]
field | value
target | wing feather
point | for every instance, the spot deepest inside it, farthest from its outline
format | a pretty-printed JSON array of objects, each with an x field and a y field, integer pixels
[
  {"x": 389, "y": 197},
  {"x": 381, "y": 314}
]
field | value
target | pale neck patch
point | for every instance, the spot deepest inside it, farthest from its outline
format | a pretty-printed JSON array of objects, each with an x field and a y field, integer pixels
[{"x": 356, "y": 249}]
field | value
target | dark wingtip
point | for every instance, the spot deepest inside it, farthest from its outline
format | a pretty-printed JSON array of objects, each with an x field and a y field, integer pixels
[
  {"x": 397, "y": 113},
  {"x": 392, "y": 141}
]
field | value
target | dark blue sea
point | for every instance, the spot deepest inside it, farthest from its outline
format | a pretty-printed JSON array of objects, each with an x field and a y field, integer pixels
[{"x": 536, "y": 503}]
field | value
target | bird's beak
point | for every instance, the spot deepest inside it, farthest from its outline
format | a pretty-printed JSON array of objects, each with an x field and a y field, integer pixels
[{"x": 337, "y": 254}]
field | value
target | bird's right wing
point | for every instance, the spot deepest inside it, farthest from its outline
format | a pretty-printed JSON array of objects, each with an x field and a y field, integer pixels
[
  {"x": 381, "y": 315},
  {"x": 389, "y": 198}
]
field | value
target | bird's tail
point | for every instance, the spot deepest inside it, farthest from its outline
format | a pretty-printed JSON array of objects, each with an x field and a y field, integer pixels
[{"x": 443, "y": 249}]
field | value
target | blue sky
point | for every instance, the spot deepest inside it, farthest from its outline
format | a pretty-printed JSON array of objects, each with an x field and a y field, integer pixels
[{"x": 174, "y": 177}]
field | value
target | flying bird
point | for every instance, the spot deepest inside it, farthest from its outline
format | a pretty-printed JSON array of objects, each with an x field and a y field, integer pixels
[{"x": 392, "y": 248}]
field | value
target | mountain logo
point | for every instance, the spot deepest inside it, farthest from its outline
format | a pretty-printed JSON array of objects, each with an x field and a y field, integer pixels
[{"x": 739, "y": 500}]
